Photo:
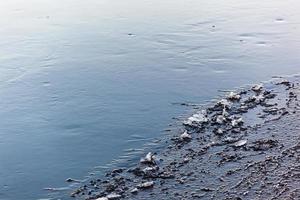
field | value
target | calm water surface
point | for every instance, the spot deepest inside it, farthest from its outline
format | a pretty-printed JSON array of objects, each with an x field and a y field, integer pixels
[{"x": 83, "y": 82}]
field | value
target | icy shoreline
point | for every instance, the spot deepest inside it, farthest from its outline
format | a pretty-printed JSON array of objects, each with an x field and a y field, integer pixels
[{"x": 233, "y": 149}]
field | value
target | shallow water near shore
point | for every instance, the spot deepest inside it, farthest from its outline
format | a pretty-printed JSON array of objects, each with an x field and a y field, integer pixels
[{"x": 86, "y": 84}]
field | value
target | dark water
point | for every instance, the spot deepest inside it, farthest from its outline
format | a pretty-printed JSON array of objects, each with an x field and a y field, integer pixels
[{"x": 83, "y": 82}]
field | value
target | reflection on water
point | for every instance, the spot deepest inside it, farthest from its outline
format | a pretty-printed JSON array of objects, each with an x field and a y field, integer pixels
[{"x": 85, "y": 82}]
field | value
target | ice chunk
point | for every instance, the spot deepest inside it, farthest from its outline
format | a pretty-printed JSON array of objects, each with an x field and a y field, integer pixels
[
  {"x": 146, "y": 185},
  {"x": 185, "y": 136},
  {"x": 233, "y": 96},
  {"x": 149, "y": 158},
  {"x": 237, "y": 122},
  {"x": 257, "y": 88},
  {"x": 240, "y": 143},
  {"x": 197, "y": 118},
  {"x": 220, "y": 119}
]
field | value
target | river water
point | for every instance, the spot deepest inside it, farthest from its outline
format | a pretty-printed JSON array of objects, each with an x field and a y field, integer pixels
[{"x": 85, "y": 84}]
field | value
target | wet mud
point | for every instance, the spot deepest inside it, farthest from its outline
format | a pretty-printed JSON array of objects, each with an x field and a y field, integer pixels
[{"x": 245, "y": 146}]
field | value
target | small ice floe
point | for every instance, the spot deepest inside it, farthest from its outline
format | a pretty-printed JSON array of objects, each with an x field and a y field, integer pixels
[
  {"x": 230, "y": 140},
  {"x": 102, "y": 198},
  {"x": 211, "y": 144},
  {"x": 240, "y": 143},
  {"x": 283, "y": 82},
  {"x": 243, "y": 108},
  {"x": 219, "y": 131},
  {"x": 149, "y": 158},
  {"x": 196, "y": 119},
  {"x": 186, "y": 160},
  {"x": 225, "y": 113},
  {"x": 113, "y": 196},
  {"x": 232, "y": 96},
  {"x": 257, "y": 88},
  {"x": 166, "y": 175},
  {"x": 259, "y": 98},
  {"x": 134, "y": 191},
  {"x": 146, "y": 185},
  {"x": 185, "y": 136},
  {"x": 220, "y": 119},
  {"x": 237, "y": 122},
  {"x": 150, "y": 169},
  {"x": 224, "y": 103}
]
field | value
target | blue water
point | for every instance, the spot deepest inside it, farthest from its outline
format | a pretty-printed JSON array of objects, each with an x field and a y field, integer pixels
[{"x": 83, "y": 82}]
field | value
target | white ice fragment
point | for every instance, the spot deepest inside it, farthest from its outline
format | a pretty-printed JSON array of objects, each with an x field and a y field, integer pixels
[
  {"x": 213, "y": 143},
  {"x": 185, "y": 136},
  {"x": 219, "y": 131},
  {"x": 134, "y": 190},
  {"x": 186, "y": 160},
  {"x": 284, "y": 82},
  {"x": 220, "y": 119},
  {"x": 243, "y": 107},
  {"x": 236, "y": 122},
  {"x": 257, "y": 88},
  {"x": 198, "y": 118},
  {"x": 150, "y": 169},
  {"x": 225, "y": 113},
  {"x": 230, "y": 140},
  {"x": 113, "y": 196},
  {"x": 240, "y": 143},
  {"x": 102, "y": 198},
  {"x": 259, "y": 98},
  {"x": 224, "y": 103},
  {"x": 149, "y": 158},
  {"x": 146, "y": 185},
  {"x": 233, "y": 96}
]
